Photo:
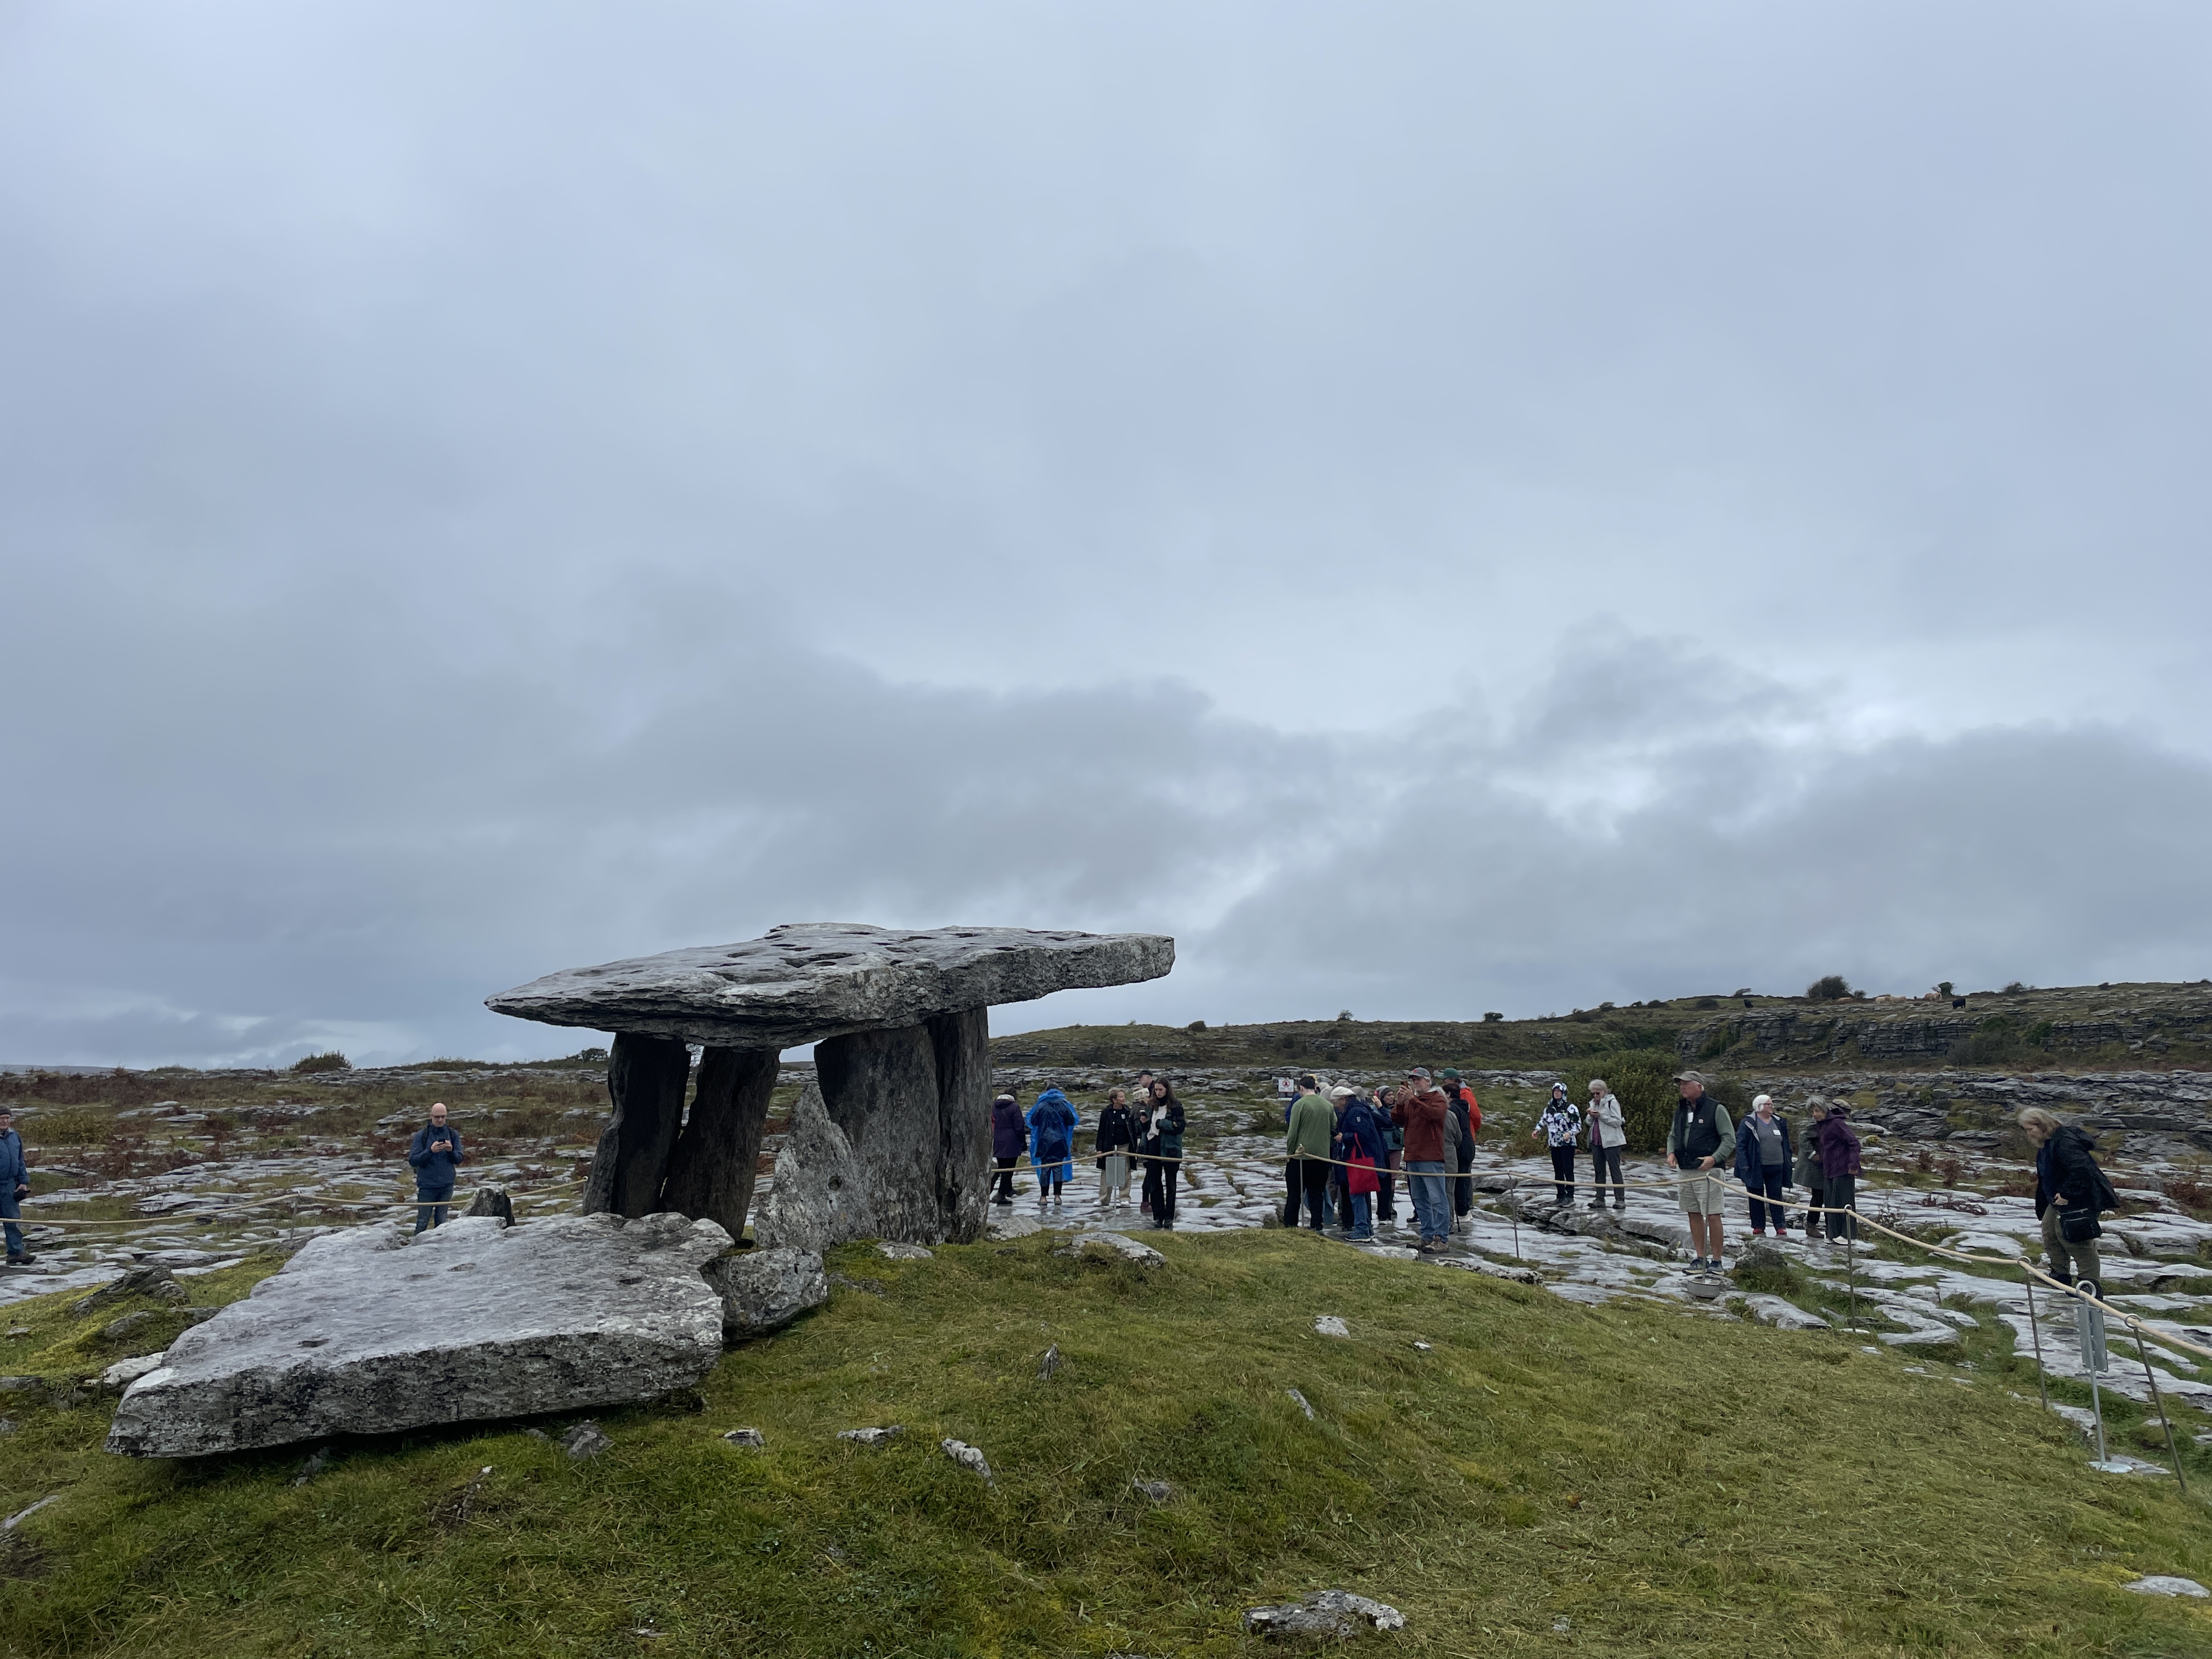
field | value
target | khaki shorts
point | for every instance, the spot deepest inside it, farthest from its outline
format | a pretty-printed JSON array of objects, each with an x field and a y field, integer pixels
[{"x": 1700, "y": 1194}]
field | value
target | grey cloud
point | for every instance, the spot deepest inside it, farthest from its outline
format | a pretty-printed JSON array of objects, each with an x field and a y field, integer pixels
[{"x": 1388, "y": 498}]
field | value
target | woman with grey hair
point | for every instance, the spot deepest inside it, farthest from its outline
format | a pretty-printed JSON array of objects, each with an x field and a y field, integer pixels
[
  {"x": 1608, "y": 1134},
  {"x": 1808, "y": 1162},
  {"x": 2070, "y": 1190}
]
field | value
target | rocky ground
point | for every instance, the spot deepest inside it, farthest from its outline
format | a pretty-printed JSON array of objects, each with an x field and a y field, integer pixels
[{"x": 205, "y": 1201}]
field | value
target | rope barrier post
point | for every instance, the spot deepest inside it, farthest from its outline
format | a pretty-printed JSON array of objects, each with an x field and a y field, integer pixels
[
  {"x": 1516, "y": 1191},
  {"x": 2173, "y": 1446},
  {"x": 1851, "y": 1266},
  {"x": 2035, "y": 1330}
]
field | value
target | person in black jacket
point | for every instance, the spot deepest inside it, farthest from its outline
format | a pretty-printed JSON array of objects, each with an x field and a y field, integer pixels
[
  {"x": 1160, "y": 1140},
  {"x": 2070, "y": 1190},
  {"x": 1116, "y": 1137}
]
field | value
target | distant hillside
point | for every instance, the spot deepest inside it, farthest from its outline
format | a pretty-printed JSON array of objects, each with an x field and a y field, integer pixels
[{"x": 2073, "y": 1027}]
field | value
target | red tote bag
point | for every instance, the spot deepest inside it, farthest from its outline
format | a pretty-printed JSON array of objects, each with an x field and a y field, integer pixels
[{"x": 1360, "y": 1177}]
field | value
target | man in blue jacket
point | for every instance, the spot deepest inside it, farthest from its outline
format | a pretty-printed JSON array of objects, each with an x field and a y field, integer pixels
[
  {"x": 14, "y": 1188},
  {"x": 435, "y": 1153}
]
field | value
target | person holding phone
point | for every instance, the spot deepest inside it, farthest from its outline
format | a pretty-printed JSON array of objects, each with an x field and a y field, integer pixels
[{"x": 435, "y": 1152}]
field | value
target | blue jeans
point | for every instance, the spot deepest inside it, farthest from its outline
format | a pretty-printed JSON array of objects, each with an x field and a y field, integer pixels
[
  {"x": 1362, "y": 1227},
  {"x": 1432, "y": 1214},
  {"x": 1768, "y": 1186},
  {"x": 430, "y": 1204},
  {"x": 12, "y": 1207}
]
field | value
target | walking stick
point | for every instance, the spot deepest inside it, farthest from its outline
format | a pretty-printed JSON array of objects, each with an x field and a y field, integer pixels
[{"x": 2035, "y": 1330}]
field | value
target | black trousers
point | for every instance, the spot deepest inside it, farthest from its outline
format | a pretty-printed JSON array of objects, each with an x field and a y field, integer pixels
[
  {"x": 1312, "y": 1174},
  {"x": 1386, "y": 1204},
  {"x": 1813, "y": 1212},
  {"x": 1843, "y": 1194},
  {"x": 1159, "y": 1186},
  {"x": 1604, "y": 1158},
  {"x": 1463, "y": 1183},
  {"x": 1006, "y": 1177},
  {"x": 1563, "y": 1173},
  {"x": 1293, "y": 1190}
]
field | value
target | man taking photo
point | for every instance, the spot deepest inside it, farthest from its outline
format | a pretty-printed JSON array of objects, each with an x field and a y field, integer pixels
[{"x": 435, "y": 1152}]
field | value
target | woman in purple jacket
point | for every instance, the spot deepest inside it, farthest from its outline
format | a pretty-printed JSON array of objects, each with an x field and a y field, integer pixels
[
  {"x": 1840, "y": 1169},
  {"x": 1010, "y": 1138}
]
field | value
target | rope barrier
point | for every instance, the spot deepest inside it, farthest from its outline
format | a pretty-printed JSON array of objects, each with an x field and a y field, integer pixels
[{"x": 1729, "y": 1187}]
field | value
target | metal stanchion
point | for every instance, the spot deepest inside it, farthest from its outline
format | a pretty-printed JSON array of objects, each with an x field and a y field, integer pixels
[
  {"x": 2173, "y": 1446},
  {"x": 1851, "y": 1264},
  {"x": 2035, "y": 1330}
]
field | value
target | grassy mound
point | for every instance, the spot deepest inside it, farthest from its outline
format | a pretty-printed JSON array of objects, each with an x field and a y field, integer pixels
[{"x": 1542, "y": 1476}]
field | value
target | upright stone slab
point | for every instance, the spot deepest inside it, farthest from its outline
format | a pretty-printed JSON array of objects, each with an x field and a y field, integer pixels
[
  {"x": 716, "y": 1159},
  {"x": 896, "y": 1142},
  {"x": 646, "y": 1077}
]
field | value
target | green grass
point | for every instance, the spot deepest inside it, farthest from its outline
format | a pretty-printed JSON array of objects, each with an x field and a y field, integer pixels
[{"x": 1660, "y": 1482}]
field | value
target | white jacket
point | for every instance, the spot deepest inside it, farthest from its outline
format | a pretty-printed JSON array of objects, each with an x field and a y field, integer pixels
[{"x": 1610, "y": 1130}]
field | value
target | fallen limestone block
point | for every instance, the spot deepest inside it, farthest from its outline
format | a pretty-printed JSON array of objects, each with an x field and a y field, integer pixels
[
  {"x": 1784, "y": 1315},
  {"x": 2157, "y": 1584},
  {"x": 124, "y": 1372},
  {"x": 585, "y": 1440},
  {"x": 764, "y": 1290},
  {"x": 147, "y": 1278},
  {"x": 751, "y": 1438},
  {"x": 898, "y": 1252},
  {"x": 1330, "y": 1325},
  {"x": 492, "y": 1200},
  {"x": 968, "y": 1457},
  {"x": 123, "y": 1329},
  {"x": 1127, "y": 1248},
  {"x": 367, "y": 1331},
  {"x": 1326, "y": 1613},
  {"x": 881, "y": 1436}
]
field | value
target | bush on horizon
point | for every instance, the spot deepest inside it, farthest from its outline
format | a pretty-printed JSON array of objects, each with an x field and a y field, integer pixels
[{"x": 331, "y": 1061}]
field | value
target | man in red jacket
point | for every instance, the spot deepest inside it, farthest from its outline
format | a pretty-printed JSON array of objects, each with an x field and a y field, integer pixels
[{"x": 1419, "y": 1108}]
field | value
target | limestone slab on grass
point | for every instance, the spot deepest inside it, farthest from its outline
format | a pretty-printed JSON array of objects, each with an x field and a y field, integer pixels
[
  {"x": 366, "y": 1332},
  {"x": 764, "y": 1289}
]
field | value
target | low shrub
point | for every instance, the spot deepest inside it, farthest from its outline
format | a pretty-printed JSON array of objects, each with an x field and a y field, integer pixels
[
  {"x": 1830, "y": 987},
  {"x": 331, "y": 1061}
]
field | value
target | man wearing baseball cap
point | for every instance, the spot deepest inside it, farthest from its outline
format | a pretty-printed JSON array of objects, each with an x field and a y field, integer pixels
[
  {"x": 1694, "y": 1140},
  {"x": 15, "y": 1186}
]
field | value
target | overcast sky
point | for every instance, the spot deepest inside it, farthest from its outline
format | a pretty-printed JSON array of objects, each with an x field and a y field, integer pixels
[{"x": 1439, "y": 507}]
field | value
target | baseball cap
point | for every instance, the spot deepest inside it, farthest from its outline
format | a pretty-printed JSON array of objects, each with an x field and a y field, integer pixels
[
  {"x": 1420, "y": 1071},
  {"x": 1697, "y": 1078},
  {"x": 1450, "y": 1072}
]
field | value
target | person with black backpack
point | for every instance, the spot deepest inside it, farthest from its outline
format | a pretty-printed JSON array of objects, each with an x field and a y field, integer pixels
[{"x": 2069, "y": 1192}]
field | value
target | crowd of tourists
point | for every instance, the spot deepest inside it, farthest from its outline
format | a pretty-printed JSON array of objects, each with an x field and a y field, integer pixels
[{"x": 1346, "y": 1151}]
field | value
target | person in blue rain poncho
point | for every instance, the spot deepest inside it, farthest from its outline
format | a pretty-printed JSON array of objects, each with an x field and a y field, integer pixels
[{"x": 1052, "y": 1143}]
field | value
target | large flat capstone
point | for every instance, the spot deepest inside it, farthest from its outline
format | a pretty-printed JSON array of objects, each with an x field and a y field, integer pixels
[
  {"x": 804, "y": 981},
  {"x": 366, "y": 1332}
]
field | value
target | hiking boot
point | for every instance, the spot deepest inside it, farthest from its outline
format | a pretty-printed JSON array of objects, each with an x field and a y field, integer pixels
[{"x": 21, "y": 1260}]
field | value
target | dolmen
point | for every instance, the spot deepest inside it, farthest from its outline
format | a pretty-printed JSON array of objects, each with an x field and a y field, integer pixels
[{"x": 892, "y": 1140}]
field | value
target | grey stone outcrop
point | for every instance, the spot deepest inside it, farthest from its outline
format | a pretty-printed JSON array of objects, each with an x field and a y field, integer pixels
[
  {"x": 764, "y": 1289},
  {"x": 1327, "y": 1612},
  {"x": 367, "y": 1331}
]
